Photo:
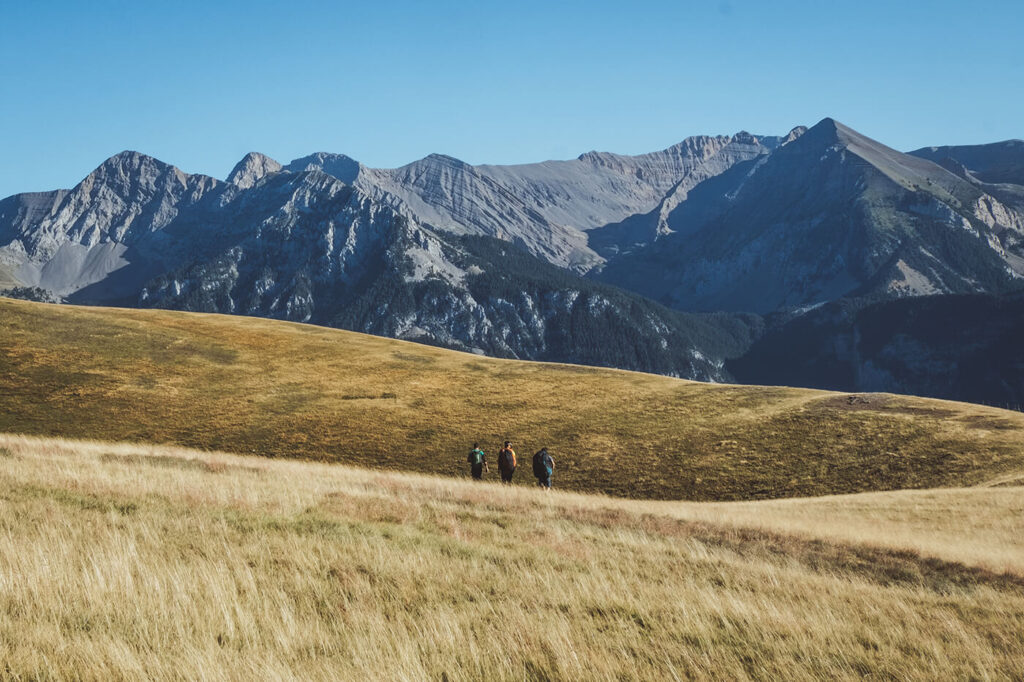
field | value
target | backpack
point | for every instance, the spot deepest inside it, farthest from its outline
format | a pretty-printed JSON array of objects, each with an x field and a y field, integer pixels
[
  {"x": 539, "y": 465},
  {"x": 506, "y": 459},
  {"x": 476, "y": 456}
]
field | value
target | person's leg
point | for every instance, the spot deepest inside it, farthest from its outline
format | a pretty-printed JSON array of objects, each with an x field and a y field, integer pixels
[{"x": 478, "y": 471}]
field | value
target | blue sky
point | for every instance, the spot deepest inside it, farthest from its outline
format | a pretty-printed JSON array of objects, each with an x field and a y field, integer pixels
[{"x": 198, "y": 84}]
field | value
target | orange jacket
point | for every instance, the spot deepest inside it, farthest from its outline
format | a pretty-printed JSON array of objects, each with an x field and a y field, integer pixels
[{"x": 511, "y": 455}]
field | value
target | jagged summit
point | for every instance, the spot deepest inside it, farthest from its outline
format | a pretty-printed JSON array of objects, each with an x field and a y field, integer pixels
[
  {"x": 828, "y": 215},
  {"x": 127, "y": 156},
  {"x": 343, "y": 167},
  {"x": 252, "y": 168},
  {"x": 827, "y": 130},
  {"x": 696, "y": 143},
  {"x": 442, "y": 159},
  {"x": 138, "y": 176},
  {"x": 141, "y": 174},
  {"x": 830, "y": 139},
  {"x": 129, "y": 161},
  {"x": 744, "y": 137},
  {"x": 794, "y": 134},
  {"x": 596, "y": 158},
  {"x": 692, "y": 146}
]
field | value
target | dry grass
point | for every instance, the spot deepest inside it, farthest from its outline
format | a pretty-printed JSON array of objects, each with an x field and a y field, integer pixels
[
  {"x": 129, "y": 562},
  {"x": 285, "y": 390},
  {"x": 982, "y": 526}
]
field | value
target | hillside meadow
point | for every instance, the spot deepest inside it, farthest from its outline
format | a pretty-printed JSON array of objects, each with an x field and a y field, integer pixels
[
  {"x": 124, "y": 561},
  {"x": 285, "y": 390}
]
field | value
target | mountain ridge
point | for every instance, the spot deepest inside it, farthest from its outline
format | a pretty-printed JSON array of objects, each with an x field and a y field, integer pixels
[
  {"x": 305, "y": 246},
  {"x": 488, "y": 258},
  {"x": 833, "y": 213}
]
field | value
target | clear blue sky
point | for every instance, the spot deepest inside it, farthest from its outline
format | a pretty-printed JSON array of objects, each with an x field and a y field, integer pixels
[{"x": 198, "y": 84}]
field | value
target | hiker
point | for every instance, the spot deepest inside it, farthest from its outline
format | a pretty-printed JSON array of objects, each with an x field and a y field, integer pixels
[
  {"x": 507, "y": 462},
  {"x": 477, "y": 462},
  {"x": 543, "y": 467}
]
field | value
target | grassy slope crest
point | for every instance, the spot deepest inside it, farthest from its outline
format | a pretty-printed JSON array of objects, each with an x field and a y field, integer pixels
[{"x": 287, "y": 390}]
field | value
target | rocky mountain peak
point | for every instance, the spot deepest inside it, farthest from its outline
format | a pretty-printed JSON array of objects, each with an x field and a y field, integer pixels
[
  {"x": 743, "y": 137},
  {"x": 826, "y": 132},
  {"x": 445, "y": 160},
  {"x": 829, "y": 134},
  {"x": 129, "y": 163},
  {"x": 794, "y": 134},
  {"x": 699, "y": 145},
  {"x": 343, "y": 167},
  {"x": 137, "y": 177},
  {"x": 252, "y": 168},
  {"x": 592, "y": 156}
]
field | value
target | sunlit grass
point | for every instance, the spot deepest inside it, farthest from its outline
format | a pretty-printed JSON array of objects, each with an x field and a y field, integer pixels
[
  {"x": 285, "y": 390},
  {"x": 121, "y": 561}
]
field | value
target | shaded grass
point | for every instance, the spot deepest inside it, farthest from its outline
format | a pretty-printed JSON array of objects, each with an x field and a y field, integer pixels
[
  {"x": 176, "y": 463},
  {"x": 297, "y": 391}
]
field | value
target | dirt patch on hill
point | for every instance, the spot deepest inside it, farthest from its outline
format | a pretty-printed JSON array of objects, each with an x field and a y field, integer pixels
[{"x": 879, "y": 402}]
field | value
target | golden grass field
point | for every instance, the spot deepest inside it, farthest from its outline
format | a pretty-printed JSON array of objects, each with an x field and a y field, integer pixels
[
  {"x": 287, "y": 390},
  {"x": 126, "y": 561}
]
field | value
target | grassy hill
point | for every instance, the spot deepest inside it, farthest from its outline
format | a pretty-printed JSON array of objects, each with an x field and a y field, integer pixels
[
  {"x": 286, "y": 390},
  {"x": 141, "y": 562}
]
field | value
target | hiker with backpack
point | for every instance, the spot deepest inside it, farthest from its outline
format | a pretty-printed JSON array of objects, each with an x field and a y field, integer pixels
[
  {"x": 477, "y": 462},
  {"x": 543, "y": 467},
  {"x": 507, "y": 462}
]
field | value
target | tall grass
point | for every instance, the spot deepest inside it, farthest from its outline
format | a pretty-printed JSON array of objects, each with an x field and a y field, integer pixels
[{"x": 129, "y": 562}]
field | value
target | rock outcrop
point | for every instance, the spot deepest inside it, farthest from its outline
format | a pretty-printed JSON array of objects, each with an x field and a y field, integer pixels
[{"x": 251, "y": 169}]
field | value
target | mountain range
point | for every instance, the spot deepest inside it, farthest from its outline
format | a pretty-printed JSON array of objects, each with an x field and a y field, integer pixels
[
  {"x": 830, "y": 215},
  {"x": 693, "y": 261}
]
